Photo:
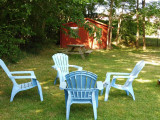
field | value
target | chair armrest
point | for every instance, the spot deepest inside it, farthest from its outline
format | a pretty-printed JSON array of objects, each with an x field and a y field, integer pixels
[
  {"x": 32, "y": 76},
  {"x": 59, "y": 72},
  {"x": 75, "y": 66},
  {"x": 24, "y": 77},
  {"x": 22, "y": 72},
  {"x": 99, "y": 85},
  {"x": 54, "y": 67},
  {"x": 116, "y": 73},
  {"x": 115, "y": 78},
  {"x": 63, "y": 85},
  {"x": 108, "y": 77},
  {"x": 124, "y": 77}
]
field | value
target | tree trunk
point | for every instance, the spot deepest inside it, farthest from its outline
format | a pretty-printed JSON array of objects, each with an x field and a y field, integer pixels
[
  {"x": 144, "y": 40},
  {"x": 43, "y": 26},
  {"x": 109, "y": 33},
  {"x": 119, "y": 25},
  {"x": 137, "y": 35}
]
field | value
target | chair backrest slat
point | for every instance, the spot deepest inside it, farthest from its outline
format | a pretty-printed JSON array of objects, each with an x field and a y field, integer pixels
[
  {"x": 93, "y": 83},
  {"x": 136, "y": 70},
  {"x": 73, "y": 81},
  {"x": 81, "y": 80},
  {"x": 88, "y": 82},
  {"x": 138, "y": 67},
  {"x": 69, "y": 83}
]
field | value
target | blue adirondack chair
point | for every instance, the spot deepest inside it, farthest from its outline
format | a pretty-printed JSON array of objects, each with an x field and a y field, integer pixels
[
  {"x": 21, "y": 87},
  {"x": 82, "y": 88},
  {"x": 128, "y": 84},
  {"x": 62, "y": 67}
]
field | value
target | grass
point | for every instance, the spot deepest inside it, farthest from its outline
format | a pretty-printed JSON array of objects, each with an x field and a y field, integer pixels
[
  {"x": 150, "y": 41},
  {"x": 26, "y": 105}
]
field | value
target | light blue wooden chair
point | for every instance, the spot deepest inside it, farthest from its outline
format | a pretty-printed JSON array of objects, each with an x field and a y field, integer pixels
[
  {"x": 21, "y": 87},
  {"x": 128, "y": 84},
  {"x": 62, "y": 67},
  {"x": 82, "y": 89}
]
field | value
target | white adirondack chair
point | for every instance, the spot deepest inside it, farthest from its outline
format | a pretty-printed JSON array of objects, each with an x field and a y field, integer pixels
[
  {"x": 128, "y": 84},
  {"x": 62, "y": 67},
  {"x": 24, "y": 86}
]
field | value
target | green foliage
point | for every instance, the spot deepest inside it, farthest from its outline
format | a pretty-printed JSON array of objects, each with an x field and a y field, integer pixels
[
  {"x": 28, "y": 25},
  {"x": 150, "y": 42},
  {"x": 9, "y": 46},
  {"x": 128, "y": 26},
  {"x": 128, "y": 29},
  {"x": 114, "y": 30},
  {"x": 93, "y": 30},
  {"x": 152, "y": 9},
  {"x": 150, "y": 28},
  {"x": 73, "y": 32},
  {"x": 13, "y": 28}
]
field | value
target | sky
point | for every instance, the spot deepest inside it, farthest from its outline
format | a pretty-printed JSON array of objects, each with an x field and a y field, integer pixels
[
  {"x": 102, "y": 8},
  {"x": 150, "y": 0}
]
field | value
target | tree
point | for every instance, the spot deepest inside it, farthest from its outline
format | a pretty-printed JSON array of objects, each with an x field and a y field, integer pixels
[
  {"x": 109, "y": 35},
  {"x": 119, "y": 23},
  {"x": 152, "y": 10},
  {"x": 127, "y": 7},
  {"x": 137, "y": 16},
  {"x": 14, "y": 29},
  {"x": 144, "y": 41}
]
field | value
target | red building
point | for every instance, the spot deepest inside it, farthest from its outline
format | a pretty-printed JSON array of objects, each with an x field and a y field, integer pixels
[{"x": 84, "y": 37}]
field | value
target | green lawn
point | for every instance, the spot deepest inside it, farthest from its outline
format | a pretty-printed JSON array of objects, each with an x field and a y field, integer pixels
[
  {"x": 27, "y": 104},
  {"x": 150, "y": 41}
]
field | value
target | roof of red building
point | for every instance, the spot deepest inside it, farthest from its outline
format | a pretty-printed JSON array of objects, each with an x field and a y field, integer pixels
[{"x": 91, "y": 20}]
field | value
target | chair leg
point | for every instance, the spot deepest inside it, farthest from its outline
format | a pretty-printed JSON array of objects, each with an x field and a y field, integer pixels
[
  {"x": 101, "y": 91},
  {"x": 14, "y": 92},
  {"x": 40, "y": 91},
  {"x": 66, "y": 97},
  {"x": 107, "y": 92},
  {"x": 68, "y": 109},
  {"x": 127, "y": 92},
  {"x": 132, "y": 93},
  {"x": 97, "y": 92},
  {"x": 55, "y": 79},
  {"x": 95, "y": 110}
]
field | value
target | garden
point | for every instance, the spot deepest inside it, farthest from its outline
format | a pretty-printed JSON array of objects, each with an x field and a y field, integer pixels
[{"x": 122, "y": 34}]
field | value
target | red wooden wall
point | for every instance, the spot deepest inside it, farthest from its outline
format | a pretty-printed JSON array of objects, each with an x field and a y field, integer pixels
[{"x": 85, "y": 39}]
